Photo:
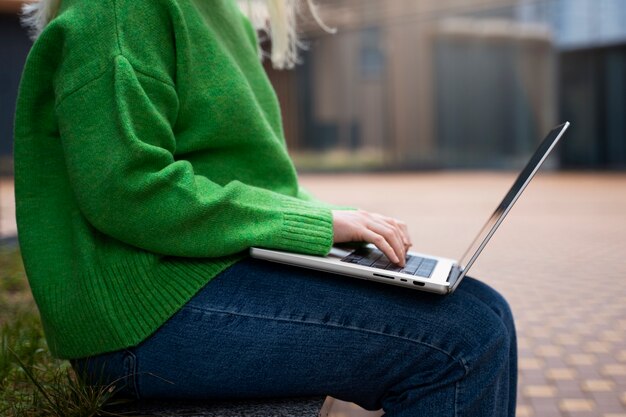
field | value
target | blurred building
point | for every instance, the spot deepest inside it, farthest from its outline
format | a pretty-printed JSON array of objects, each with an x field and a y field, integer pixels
[
  {"x": 424, "y": 84},
  {"x": 14, "y": 46},
  {"x": 434, "y": 83},
  {"x": 450, "y": 83},
  {"x": 590, "y": 36}
]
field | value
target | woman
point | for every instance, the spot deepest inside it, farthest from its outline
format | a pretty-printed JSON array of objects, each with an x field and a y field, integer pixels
[{"x": 149, "y": 157}]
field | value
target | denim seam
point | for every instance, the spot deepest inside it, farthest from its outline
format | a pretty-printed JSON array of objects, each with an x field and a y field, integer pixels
[
  {"x": 456, "y": 398},
  {"x": 499, "y": 318},
  {"x": 460, "y": 361}
]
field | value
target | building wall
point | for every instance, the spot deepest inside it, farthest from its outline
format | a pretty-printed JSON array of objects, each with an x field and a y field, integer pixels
[
  {"x": 495, "y": 89},
  {"x": 436, "y": 83},
  {"x": 590, "y": 37},
  {"x": 593, "y": 96},
  {"x": 579, "y": 24},
  {"x": 424, "y": 87}
]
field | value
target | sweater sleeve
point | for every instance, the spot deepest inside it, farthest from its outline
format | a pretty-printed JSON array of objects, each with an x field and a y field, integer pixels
[{"x": 119, "y": 146}]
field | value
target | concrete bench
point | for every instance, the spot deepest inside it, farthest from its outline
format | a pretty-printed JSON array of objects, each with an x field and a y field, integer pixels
[{"x": 284, "y": 407}]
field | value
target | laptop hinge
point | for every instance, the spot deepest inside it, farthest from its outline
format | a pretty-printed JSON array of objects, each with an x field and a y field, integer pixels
[{"x": 455, "y": 271}]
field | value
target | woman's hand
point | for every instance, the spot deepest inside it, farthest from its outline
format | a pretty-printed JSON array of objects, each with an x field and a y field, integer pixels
[{"x": 389, "y": 235}]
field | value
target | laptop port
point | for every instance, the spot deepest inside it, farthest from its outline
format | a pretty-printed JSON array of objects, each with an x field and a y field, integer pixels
[
  {"x": 419, "y": 284},
  {"x": 383, "y": 276}
]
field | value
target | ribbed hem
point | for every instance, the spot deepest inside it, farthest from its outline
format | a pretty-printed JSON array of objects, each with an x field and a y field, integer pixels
[
  {"x": 114, "y": 307},
  {"x": 307, "y": 228},
  {"x": 122, "y": 305}
]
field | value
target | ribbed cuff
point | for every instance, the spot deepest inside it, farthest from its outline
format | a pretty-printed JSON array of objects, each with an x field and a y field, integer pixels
[{"x": 307, "y": 227}]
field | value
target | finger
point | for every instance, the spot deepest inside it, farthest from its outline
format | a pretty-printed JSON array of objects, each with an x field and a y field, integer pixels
[
  {"x": 402, "y": 228},
  {"x": 392, "y": 236},
  {"x": 405, "y": 233},
  {"x": 381, "y": 243},
  {"x": 395, "y": 225}
]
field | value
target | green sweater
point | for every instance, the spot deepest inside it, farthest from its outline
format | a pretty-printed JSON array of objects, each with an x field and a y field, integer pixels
[{"x": 149, "y": 156}]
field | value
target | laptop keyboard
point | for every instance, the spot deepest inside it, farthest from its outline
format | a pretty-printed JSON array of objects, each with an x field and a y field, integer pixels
[{"x": 374, "y": 258}]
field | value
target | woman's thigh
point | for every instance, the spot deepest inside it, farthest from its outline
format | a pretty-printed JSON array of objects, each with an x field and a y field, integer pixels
[{"x": 261, "y": 329}]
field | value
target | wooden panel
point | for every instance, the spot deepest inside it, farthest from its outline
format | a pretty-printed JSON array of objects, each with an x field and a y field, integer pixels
[{"x": 11, "y": 6}]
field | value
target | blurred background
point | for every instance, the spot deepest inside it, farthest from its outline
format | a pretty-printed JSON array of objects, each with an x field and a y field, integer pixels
[
  {"x": 432, "y": 106},
  {"x": 429, "y": 84},
  {"x": 419, "y": 84}
]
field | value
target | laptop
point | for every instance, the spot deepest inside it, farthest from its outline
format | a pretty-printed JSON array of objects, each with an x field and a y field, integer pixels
[{"x": 422, "y": 271}]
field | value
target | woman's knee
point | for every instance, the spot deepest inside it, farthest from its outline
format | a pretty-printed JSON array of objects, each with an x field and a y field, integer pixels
[
  {"x": 491, "y": 298},
  {"x": 482, "y": 331},
  {"x": 468, "y": 345}
]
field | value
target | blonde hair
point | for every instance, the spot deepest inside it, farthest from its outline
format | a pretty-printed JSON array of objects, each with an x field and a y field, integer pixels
[
  {"x": 275, "y": 18},
  {"x": 35, "y": 16}
]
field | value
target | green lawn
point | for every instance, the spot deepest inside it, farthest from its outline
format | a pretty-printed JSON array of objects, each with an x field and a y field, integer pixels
[{"x": 32, "y": 382}]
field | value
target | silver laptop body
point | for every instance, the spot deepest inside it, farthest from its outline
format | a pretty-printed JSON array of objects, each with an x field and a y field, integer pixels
[{"x": 423, "y": 272}]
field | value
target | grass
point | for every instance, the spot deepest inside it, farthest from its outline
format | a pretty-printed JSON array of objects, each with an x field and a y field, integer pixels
[
  {"x": 341, "y": 160},
  {"x": 32, "y": 382}
]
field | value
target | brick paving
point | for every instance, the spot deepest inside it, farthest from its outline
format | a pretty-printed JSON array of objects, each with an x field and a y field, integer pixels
[
  {"x": 559, "y": 258},
  {"x": 7, "y": 209}
]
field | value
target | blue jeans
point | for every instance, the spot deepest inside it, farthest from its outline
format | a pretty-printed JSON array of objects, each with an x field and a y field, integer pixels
[{"x": 261, "y": 329}]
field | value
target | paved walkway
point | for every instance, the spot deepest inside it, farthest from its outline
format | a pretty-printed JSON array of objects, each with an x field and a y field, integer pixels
[
  {"x": 7, "y": 209},
  {"x": 560, "y": 259}
]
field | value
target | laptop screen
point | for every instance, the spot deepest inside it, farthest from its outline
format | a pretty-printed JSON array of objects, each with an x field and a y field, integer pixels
[{"x": 511, "y": 197}]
